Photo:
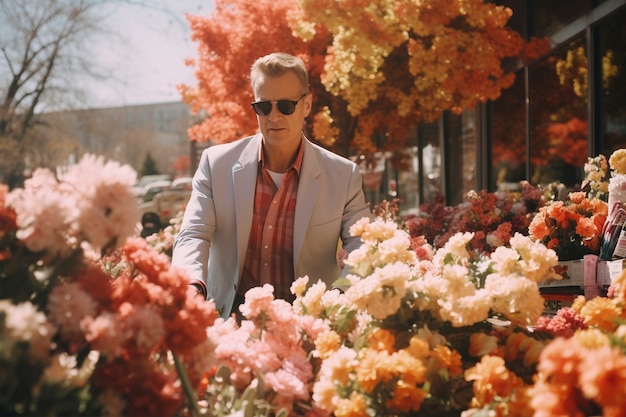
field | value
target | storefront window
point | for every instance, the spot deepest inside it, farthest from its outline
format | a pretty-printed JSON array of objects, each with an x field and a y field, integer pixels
[
  {"x": 612, "y": 85},
  {"x": 508, "y": 137},
  {"x": 461, "y": 155},
  {"x": 430, "y": 150},
  {"x": 558, "y": 116}
]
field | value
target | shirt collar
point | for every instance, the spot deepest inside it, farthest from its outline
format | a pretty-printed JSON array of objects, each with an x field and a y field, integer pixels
[{"x": 297, "y": 163}]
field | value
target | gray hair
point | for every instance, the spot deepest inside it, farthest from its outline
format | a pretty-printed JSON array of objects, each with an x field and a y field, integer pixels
[{"x": 277, "y": 64}]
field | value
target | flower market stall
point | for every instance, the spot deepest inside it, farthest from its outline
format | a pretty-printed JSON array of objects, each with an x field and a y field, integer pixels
[{"x": 442, "y": 314}]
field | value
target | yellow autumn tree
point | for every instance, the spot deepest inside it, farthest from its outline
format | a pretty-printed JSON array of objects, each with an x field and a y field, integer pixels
[{"x": 400, "y": 62}]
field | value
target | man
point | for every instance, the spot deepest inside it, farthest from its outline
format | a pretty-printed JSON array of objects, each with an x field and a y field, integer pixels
[{"x": 271, "y": 207}]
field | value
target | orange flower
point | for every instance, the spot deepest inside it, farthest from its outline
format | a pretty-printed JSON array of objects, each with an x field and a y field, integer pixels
[
  {"x": 451, "y": 359},
  {"x": 491, "y": 379},
  {"x": 382, "y": 339},
  {"x": 603, "y": 378},
  {"x": 369, "y": 372},
  {"x": 572, "y": 228},
  {"x": 406, "y": 397}
]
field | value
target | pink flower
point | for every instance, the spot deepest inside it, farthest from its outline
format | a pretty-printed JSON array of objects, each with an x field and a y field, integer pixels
[
  {"x": 258, "y": 301},
  {"x": 68, "y": 304},
  {"x": 564, "y": 323},
  {"x": 106, "y": 334},
  {"x": 103, "y": 193},
  {"x": 43, "y": 214}
]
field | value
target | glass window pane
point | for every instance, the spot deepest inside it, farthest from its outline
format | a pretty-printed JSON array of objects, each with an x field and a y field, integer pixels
[
  {"x": 612, "y": 85},
  {"x": 508, "y": 137},
  {"x": 430, "y": 175},
  {"x": 558, "y": 116},
  {"x": 460, "y": 155},
  {"x": 549, "y": 16}
]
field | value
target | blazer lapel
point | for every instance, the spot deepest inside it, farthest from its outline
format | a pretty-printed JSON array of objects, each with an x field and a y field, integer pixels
[
  {"x": 308, "y": 189},
  {"x": 244, "y": 174}
]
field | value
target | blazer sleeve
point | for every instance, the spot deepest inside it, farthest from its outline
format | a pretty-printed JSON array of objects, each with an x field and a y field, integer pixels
[
  {"x": 192, "y": 244},
  {"x": 355, "y": 209}
]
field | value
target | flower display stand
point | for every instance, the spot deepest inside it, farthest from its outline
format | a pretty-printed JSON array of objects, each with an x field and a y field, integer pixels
[{"x": 590, "y": 277}]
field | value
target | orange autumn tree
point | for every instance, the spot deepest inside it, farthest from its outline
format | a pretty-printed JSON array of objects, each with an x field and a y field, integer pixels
[
  {"x": 383, "y": 65},
  {"x": 228, "y": 41}
]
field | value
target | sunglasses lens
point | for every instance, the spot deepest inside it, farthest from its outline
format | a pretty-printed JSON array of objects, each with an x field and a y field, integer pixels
[
  {"x": 286, "y": 107},
  {"x": 262, "y": 108}
]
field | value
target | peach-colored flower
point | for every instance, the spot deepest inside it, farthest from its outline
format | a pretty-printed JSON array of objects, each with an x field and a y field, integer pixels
[
  {"x": 68, "y": 304},
  {"x": 327, "y": 343},
  {"x": 355, "y": 406},
  {"x": 372, "y": 369},
  {"x": 482, "y": 344},
  {"x": 603, "y": 378}
]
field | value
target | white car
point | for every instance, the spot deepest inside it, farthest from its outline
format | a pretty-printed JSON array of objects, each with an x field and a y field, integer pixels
[
  {"x": 147, "y": 179},
  {"x": 165, "y": 205},
  {"x": 154, "y": 188}
]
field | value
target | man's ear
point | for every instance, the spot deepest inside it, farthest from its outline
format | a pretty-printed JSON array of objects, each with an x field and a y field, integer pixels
[{"x": 308, "y": 104}]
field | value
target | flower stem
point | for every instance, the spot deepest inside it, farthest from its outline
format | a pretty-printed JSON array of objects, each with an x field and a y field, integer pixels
[{"x": 187, "y": 388}]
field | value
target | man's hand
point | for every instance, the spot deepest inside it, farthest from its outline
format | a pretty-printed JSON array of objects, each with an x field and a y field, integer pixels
[{"x": 341, "y": 257}]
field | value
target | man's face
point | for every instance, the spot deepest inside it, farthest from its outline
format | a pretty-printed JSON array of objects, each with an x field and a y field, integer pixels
[{"x": 278, "y": 128}]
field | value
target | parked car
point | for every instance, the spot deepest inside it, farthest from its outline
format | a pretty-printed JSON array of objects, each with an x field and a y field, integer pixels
[
  {"x": 164, "y": 205},
  {"x": 154, "y": 188},
  {"x": 182, "y": 183},
  {"x": 147, "y": 179}
]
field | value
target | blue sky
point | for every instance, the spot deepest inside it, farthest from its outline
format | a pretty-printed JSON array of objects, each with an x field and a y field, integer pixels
[{"x": 146, "y": 56}]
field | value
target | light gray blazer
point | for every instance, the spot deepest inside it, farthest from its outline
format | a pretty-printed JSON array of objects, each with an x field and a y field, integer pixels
[{"x": 218, "y": 217}]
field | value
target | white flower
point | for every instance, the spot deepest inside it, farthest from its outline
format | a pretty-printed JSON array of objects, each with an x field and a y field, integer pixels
[
  {"x": 311, "y": 302},
  {"x": 516, "y": 297},
  {"x": 455, "y": 247},
  {"x": 381, "y": 293},
  {"x": 63, "y": 369},
  {"x": 24, "y": 323}
]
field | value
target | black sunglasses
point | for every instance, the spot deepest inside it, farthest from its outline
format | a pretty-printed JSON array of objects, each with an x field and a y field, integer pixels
[{"x": 286, "y": 107}]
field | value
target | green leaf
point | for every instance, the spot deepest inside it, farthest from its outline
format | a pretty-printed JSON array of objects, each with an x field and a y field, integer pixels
[{"x": 342, "y": 284}]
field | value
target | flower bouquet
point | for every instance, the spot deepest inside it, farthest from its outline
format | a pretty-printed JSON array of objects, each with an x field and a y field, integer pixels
[
  {"x": 405, "y": 329},
  {"x": 266, "y": 364},
  {"x": 493, "y": 218},
  {"x": 92, "y": 320},
  {"x": 581, "y": 372},
  {"x": 572, "y": 228}
]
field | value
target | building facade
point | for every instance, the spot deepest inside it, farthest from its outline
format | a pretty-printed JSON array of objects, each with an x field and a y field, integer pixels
[
  {"x": 127, "y": 134},
  {"x": 564, "y": 107}
]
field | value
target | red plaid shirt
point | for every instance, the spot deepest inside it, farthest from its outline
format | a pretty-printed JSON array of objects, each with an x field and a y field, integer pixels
[{"x": 269, "y": 259}]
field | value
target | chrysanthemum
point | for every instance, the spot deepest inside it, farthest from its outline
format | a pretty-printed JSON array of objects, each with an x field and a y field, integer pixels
[
  {"x": 617, "y": 161},
  {"x": 382, "y": 292},
  {"x": 601, "y": 312}
]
